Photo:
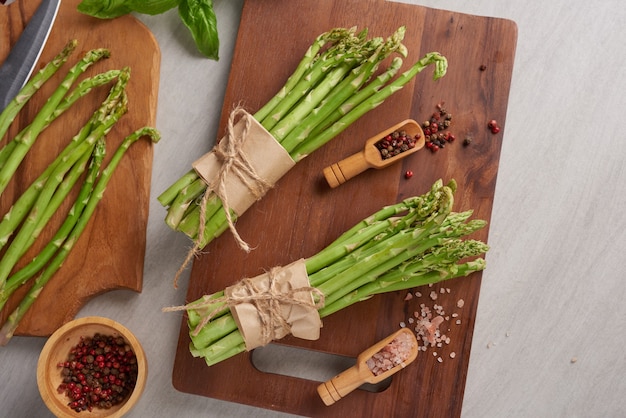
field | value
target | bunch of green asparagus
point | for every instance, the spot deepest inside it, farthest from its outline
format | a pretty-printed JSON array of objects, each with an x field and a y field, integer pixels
[
  {"x": 332, "y": 87},
  {"x": 30, "y": 213},
  {"x": 409, "y": 244}
]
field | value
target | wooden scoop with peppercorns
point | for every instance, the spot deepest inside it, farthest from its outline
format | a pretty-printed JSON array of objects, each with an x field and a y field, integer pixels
[
  {"x": 381, "y": 150},
  {"x": 373, "y": 365}
]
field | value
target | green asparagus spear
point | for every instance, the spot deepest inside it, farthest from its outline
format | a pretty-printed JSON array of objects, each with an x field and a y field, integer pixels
[
  {"x": 8, "y": 329},
  {"x": 27, "y": 137}
]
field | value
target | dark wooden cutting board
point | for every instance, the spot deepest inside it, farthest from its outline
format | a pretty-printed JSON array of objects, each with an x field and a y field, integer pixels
[
  {"x": 110, "y": 254},
  {"x": 302, "y": 214}
]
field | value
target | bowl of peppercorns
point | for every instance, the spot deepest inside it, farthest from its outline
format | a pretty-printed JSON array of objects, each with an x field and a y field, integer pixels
[{"x": 92, "y": 365}]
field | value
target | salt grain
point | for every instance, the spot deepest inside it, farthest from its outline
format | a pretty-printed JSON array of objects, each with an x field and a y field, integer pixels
[
  {"x": 428, "y": 320},
  {"x": 391, "y": 355}
]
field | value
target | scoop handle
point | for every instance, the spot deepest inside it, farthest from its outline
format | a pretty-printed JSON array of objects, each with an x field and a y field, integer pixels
[
  {"x": 342, "y": 171},
  {"x": 341, "y": 385}
]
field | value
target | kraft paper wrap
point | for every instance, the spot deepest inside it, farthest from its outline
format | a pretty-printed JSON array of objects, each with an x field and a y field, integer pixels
[
  {"x": 254, "y": 159},
  {"x": 270, "y": 306}
]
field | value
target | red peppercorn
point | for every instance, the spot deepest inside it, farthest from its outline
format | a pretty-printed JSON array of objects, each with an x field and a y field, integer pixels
[
  {"x": 495, "y": 130},
  {"x": 408, "y": 174},
  {"x": 89, "y": 382}
]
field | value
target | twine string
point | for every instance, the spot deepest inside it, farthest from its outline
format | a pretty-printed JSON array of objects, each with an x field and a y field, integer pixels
[
  {"x": 234, "y": 161},
  {"x": 267, "y": 303}
]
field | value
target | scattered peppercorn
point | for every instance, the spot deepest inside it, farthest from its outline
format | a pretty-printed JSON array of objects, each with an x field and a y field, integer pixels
[
  {"x": 408, "y": 174},
  {"x": 99, "y": 372},
  {"x": 493, "y": 126},
  {"x": 396, "y": 143},
  {"x": 467, "y": 140},
  {"x": 434, "y": 128},
  {"x": 483, "y": 67}
]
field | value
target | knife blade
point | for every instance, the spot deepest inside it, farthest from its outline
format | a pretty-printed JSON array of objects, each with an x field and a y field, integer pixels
[{"x": 24, "y": 55}]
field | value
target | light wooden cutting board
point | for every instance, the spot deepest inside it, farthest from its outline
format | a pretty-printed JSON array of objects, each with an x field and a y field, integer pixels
[{"x": 110, "y": 254}]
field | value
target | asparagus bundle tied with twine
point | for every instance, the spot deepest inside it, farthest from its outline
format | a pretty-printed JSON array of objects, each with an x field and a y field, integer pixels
[
  {"x": 409, "y": 244},
  {"x": 337, "y": 81}
]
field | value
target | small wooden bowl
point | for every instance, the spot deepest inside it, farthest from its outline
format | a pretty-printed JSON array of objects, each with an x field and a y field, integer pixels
[{"x": 57, "y": 349}]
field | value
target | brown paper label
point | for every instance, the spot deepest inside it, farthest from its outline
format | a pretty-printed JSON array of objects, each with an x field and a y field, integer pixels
[
  {"x": 270, "y": 306},
  {"x": 266, "y": 157}
]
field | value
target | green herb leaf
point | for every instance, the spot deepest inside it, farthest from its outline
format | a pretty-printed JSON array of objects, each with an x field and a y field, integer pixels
[
  {"x": 104, "y": 9},
  {"x": 152, "y": 7},
  {"x": 200, "y": 19}
]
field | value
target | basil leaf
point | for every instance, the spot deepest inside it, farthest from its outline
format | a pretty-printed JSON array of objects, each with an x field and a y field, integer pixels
[
  {"x": 152, "y": 7},
  {"x": 104, "y": 9},
  {"x": 200, "y": 19}
]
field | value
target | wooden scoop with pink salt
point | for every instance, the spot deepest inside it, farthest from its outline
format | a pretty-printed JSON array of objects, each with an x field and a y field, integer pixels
[{"x": 373, "y": 365}]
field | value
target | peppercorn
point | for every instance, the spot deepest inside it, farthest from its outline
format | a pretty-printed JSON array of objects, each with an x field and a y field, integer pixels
[
  {"x": 493, "y": 126},
  {"x": 395, "y": 143},
  {"x": 96, "y": 367},
  {"x": 408, "y": 174}
]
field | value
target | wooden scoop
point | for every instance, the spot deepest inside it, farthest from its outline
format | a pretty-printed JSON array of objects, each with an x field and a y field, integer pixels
[
  {"x": 348, "y": 380},
  {"x": 370, "y": 156}
]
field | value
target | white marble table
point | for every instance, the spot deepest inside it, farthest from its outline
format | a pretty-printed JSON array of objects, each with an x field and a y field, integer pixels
[{"x": 551, "y": 323}]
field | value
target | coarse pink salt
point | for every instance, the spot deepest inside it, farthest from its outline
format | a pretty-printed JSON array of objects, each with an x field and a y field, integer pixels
[
  {"x": 396, "y": 352},
  {"x": 431, "y": 321}
]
